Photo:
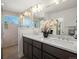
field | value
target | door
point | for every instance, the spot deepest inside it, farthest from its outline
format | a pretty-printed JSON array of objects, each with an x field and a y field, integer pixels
[{"x": 10, "y": 30}]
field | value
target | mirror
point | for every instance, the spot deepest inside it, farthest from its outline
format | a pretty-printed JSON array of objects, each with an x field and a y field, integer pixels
[{"x": 60, "y": 18}]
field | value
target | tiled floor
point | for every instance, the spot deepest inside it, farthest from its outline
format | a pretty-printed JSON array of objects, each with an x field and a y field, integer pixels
[{"x": 10, "y": 52}]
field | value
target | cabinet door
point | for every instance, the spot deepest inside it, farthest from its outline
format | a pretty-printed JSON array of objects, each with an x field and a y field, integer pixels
[
  {"x": 34, "y": 57},
  {"x": 58, "y": 53},
  {"x": 27, "y": 50},
  {"x": 27, "y": 40},
  {"x": 30, "y": 51},
  {"x": 37, "y": 44},
  {"x": 47, "y": 56},
  {"x": 37, "y": 52},
  {"x": 72, "y": 56}
]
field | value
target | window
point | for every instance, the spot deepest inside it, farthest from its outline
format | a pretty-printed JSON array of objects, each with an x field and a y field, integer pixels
[
  {"x": 11, "y": 19},
  {"x": 6, "y": 20},
  {"x": 27, "y": 22}
]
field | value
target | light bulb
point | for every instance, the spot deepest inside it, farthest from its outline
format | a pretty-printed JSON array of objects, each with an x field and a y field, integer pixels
[
  {"x": 26, "y": 13},
  {"x": 37, "y": 8},
  {"x": 56, "y": 1},
  {"x": 21, "y": 16}
]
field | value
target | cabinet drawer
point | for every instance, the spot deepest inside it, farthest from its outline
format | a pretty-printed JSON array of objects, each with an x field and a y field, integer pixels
[
  {"x": 37, "y": 52},
  {"x": 37, "y": 44},
  {"x": 34, "y": 57},
  {"x": 47, "y": 56},
  {"x": 28, "y": 40},
  {"x": 59, "y": 53}
]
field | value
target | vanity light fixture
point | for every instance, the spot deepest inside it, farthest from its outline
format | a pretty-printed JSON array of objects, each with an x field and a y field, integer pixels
[
  {"x": 40, "y": 7},
  {"x": 21, "y": 17},
  {"x": 34, "y": 9},
  {"x": 37, "y": 8},
  {"x": 25, "y": 13}
]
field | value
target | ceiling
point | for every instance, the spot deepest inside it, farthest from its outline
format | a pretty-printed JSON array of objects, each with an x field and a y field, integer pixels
[
  {"x": 61, "y": 6},
  {"x": 18, "y": 5},
  {"x": 21, "y": 5}
]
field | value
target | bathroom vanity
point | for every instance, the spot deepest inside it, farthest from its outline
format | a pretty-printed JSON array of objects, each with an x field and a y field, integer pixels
[{"x": 44, "y": 48}]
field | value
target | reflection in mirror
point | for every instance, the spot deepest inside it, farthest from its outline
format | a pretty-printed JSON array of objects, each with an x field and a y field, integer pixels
[
  {"x": 57, "y": 22},
  {"x": 56, "y": 25}
]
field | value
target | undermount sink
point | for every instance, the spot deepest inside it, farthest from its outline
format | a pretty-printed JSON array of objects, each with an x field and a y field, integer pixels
[
  {"x": 64, "y": 41},
  {"x": 63, "y": 37},
  {"x": 58, "y": 39}
]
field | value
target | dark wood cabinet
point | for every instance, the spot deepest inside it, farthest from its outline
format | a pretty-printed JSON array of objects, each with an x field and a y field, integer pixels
[
  {"x": 34, "y": 57},
  {"x": 58, "y": 53},
  {"x": 38, "y": 50},
  {"x": 27, "y": 40},
  {"x": 27, "y": 49},
  {"x": 47, "y": 56},
  {"x": 37, "y": 44}
]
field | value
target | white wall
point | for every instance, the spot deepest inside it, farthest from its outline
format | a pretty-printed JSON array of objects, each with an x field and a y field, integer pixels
[
  {"x": 6, "y": 13},
  {"x": 69, "y": 16}
]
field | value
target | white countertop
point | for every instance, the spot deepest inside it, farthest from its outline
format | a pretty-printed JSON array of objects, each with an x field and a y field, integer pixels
[{"x": 70, "y": 45}]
